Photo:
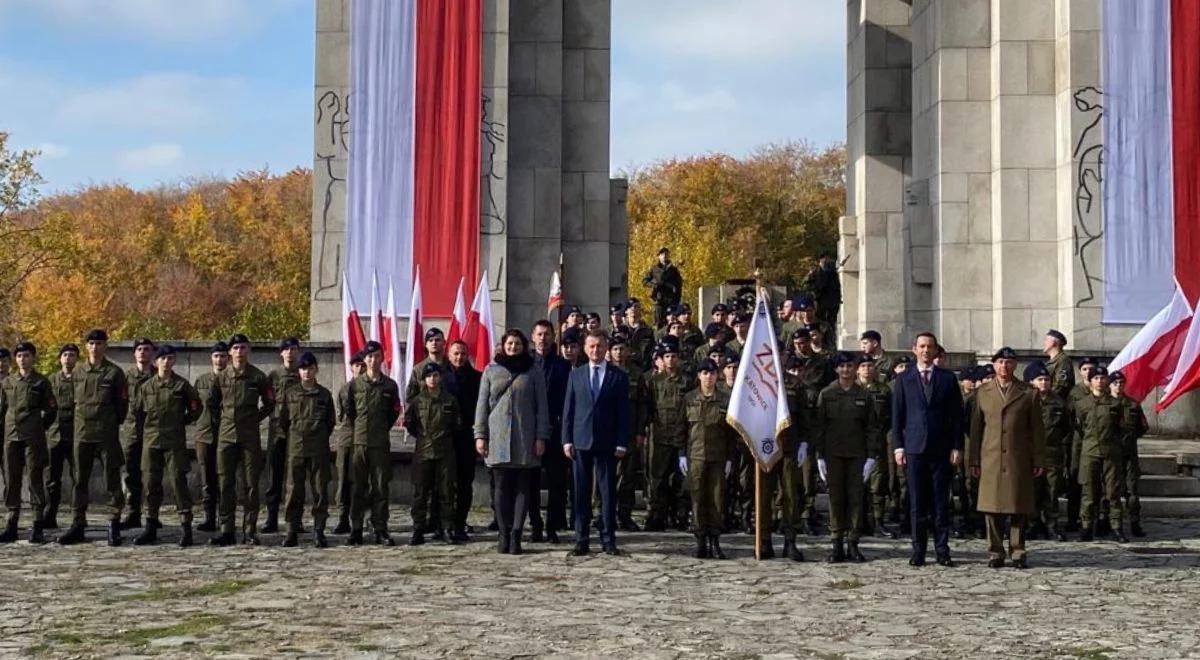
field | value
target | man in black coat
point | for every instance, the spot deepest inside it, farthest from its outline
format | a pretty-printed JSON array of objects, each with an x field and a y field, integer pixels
[
  {"x": 467, "y": 379},
  {"x": 555, "y": 466}
]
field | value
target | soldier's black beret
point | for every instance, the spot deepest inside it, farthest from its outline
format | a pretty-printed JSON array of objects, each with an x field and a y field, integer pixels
[
  {"x": 307, "y": 360},
  {"x": 164, "y": 351},
  {"x": 719, "y": 307},
  {"x": 863, "y": 358},
  {"x": 68, "y": 348},
  {"x": 96, "y": 335},
  {"x": 570, "y": 337},
  {"x": 238, "y": 339},
  {"x": 903, "y": 359},
  {"x": 357, "y": 358},
  {"x": 674, "y": 310},
  {"x": 668, "y": 348},
  {"x": 712, "y": 330},
  {"x": 742, "y": 318},
  {"x": 802, "y": 302},
  {"x": 143, "y": 341},
  {"x": 669, "y": 340},
  {"x": 4, "y": 353},
  {"x": 618, "y": 339},
  {"x": 290, "y": 342},
  {"x": 430, "y": 368},
  {"x": 1116, "y": 377},
  {"x": 664, "y": 249},
  {"x": 814, "y": 327},
  {"x": 434, "y": 332},
  {"x": 591, "y": 315},
  {"x": 717, "y": 349},
  {"x": 1088, "y": 360},
  {"x": 801, "y": 333},
  {"x": 632, "y": 302},
  {"x": 574, "y": 309},
  {"x": 618, "y": 308},
  {"x": 706, "y": 365},
  {"x": 1099, "y": 371},
  {"x": 966, "y": 373},
  {"x": 1005, "y": 353},
  {"x": 987, "y": 371},
  {"x": 872, "y": 335},
  {"x": 1062, "y": 339},
  {"x": 372, "y": 347},
  {"x": 685, "y": 308},
  {"x": 844, "y": 357},
  {"x": 219, "y": 347},
  {"x": 1035, "y": 371},
  {"x": 24, "y": 347}
]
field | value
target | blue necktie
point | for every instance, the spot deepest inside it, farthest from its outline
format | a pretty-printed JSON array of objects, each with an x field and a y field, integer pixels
[{"x": 595, "y": 382}]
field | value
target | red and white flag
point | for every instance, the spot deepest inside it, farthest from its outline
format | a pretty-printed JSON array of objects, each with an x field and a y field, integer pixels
[
  {"x": 758, "y": 406},
  {"x": 556, "y": 295},
  {"x": 414, "y": 350},
  {"x": 479, "y": 333},
  {"x": 1152, "y": 190},
  {"x": 458, "y": 318},
  {"x": 391, "y": 337},
  {"x": 353, "y": 339},
  {"x": 377, "y": 322}
]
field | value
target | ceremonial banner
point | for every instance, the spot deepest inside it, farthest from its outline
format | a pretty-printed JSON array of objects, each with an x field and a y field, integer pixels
[
  {"x": 555, "y": 299},
  {"x": 480, "y": 332},
  {"x": 458, "y": 318},
  {"x": 414, "y": 348},
  {"x": 758, "y": 407},
  {"x": 353, "y": 339}
]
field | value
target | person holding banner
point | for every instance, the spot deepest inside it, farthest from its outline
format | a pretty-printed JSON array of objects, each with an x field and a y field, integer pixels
[{"x": 708, "y": 459}]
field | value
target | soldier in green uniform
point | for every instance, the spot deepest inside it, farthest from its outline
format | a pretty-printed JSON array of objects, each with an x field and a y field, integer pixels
[
  {"x": 1074, "y": 490},
  {"x": 962, "y": 482},
  {"x": 101, "y": 403},
  {"x": 667, "y": 416},
  {"x": 206, "y": 437},
  {"x": 816, "y": 372},
  {"x": 641, "y": 336},
  {"x": 616, "y": 318},
  {"x": 1056, "y": 420},
  {"x": 343, "y": 444},
  {"x": 741, "y": 328},
  {"x": 783, "y": 491},
  {"x": 1134, "y": 426},
  {"x": 877, "y": 479},
  {"x": 712, "y": 338},
  {"x": 431, "y": 418},
  {"x": 245, "y": 397},
  {"x": 306, "y": 418},
  {"x": 282, "y": 377},
  {"x": 131, "y": 432},
  {"x": 5, "y": 368},
  {"x": 164, "y": 405},
  {"x": 720, "y": 318},
  {"x": 61, "y": 437},
  {"x": 374, "y": 408},
  {"x": 631, "y": 466},
  {"x": 846, "y": 438},
  {"x": 1099, "y": 419},
  {"x": 435, "y": 353},
  {"x": 737, "y": 498},
  {"x": 28, "y": 407},
  {"x": 1059, "y": 367},
  {"x": 707, "y": 459},
  {"x": 692, "y": 336},
  {"x": 666, "y": 285},
  {"x": 871, "y": 343}
]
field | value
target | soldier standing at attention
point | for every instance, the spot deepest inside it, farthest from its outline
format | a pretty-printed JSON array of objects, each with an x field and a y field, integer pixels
[
  {"x": 468, "y": 379},
  {"x": 1134, "y": 427},
  {"x": 61, "y": 436},
  {"x": 616, "y": 318},
  {"x": 871, "y": 344},
  {"x": 1056, "y": 420},
  {"x": 1059, "y": 367},
  {"x": 666, "y": 285},
  {"x": 877, "y": 479},
  {"x": 28, "y": 407},
  {"x": 667, "y": 416},
  {"x": 432, "y": 418},
  {"x": 641, "y": 336},
  {"x": 816, "y": 373},
  {"x": 131, "y": 432},
  {"x": 282, "y": 377},
  {"x": 1099, "y": 420},
  {"x": 707, "y": 459},
  {"x": 632, "y": 464},
  {"x": 741, "y": 328},
  {"x": 827, "y": 288},
  {"x": 163, "y": 406},
  {"x": 845, "y": 437},
  {"x": 692, "y": 337},
  {"x": 244, "y": 396},
  {"x": 374, "y": 408},
  {"x": 5, "y": 369},
  {"x": 344, "y": 445},
  {"x": 306, "y": 419},
  {"x": 435, "y": 353},
  {"x": 1078, "y": 393},
  {"x": 206, "y": 437},
  {"x": 101, "y": 403}
]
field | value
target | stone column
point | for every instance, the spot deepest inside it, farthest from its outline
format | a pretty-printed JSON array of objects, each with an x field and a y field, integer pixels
[
  {"x": 878, "y": 150},
  {"x": 494, "y": 136}
]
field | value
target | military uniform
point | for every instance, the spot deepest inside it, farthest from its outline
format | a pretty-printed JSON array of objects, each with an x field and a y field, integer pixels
[
  {"x": 1074, "y": 491},
  {"x": 374, "y": 408},
  {"x": 60, "y": 439},
  {"x": 343, "y": 444},
  {"x": 1062, "y": 374},
  {"x": 131, "y": 446},
  {"x": 710, "y": 446},
  {"x": 101, "y": 403},
  {"x": 693, "y": 338},
  {"x": 641, "y": 344},
  {"x": 668, "y": 436},
  {"x": 282, "y": 379},
  {"x": 1056, "y": 420},
  {"x": 877, "y": 482},
  {"x": 816, "y": 374},
  {"x": 432, "y": 418},
  {"x": 1099, "y": 420},
  {"x": 207, "y": 427},
  {"x": 163, "y": 407},
  {"x": 782, "y": 487},
  {"x": 666, "y": 288},
  {"x": 631, "y": 466},
  {"x": 244, "y": 398},
  {"x": 1133, "y": 426},
  {"x": 307, "y": 418},
  {"x": 415, "y": 382},
  {"x": 845, "y": 435},
  {"x": 28, "y": 407}
]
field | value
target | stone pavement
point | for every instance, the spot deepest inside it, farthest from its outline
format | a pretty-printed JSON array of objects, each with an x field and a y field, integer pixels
[{"x": 1096, "y": 600}]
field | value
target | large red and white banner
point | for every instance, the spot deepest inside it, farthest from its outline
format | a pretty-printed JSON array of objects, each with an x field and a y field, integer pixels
[
  {"x": 1152, "y": 182},
  {"x": 413, "y": 177}
]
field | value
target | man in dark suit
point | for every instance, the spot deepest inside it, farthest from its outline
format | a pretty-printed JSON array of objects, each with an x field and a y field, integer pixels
[
  {"x": 595, "y": 434},
  {"x": 927, "y": 424}
]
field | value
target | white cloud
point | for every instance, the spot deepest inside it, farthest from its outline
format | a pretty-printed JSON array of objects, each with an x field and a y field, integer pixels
[
  {"x": 682, "y": 99},
  {"x": 160, "y": 20},
  {"x": 150, "y": 157},
  {"x": 51, "y": 151},
  {"x": 722, "y": 29},
  {"x": 171, "y": 101}
]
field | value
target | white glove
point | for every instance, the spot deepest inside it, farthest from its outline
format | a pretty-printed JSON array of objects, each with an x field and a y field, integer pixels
[
  {"x": 728, "y": 467},
  {"x": 822, "y": 470},
  {"x": 868, "y": 468},
  {"x": 683, "y": 464},
  {"x": 802, "y": 452}
]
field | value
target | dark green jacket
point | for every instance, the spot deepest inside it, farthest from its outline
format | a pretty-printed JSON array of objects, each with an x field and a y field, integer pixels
[
  {"x": 282, "y": 379},
  {"x": 1056, "y": 419},
  {"x": 306, "y": 418},
  {"x": 710, "y": 438},
  {"x": 63, "y": 429},
  {"x": 846, "y": 426},
  {"x": 668, "y": 416},
  {"x": 374, "y": 408},
  {"x": 244, "y": 400},
  {"x": 210, "y": 419},
  {"x": 101, "y": 401},
  {"x": 1099, "y": 420},
  {"x": 164, "y": 408},
  {"x": 881, "y": 405},
  {"x": 27, "y": 406},
  {"x": 1062, "y": 374},
  {"x": 432, "y": 420},
  {"x": 132, "y": 431},
  {"x": 639, "y": 398}
]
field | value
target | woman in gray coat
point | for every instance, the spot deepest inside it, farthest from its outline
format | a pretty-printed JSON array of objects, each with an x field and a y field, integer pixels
[{"x": 512, "y": 424}]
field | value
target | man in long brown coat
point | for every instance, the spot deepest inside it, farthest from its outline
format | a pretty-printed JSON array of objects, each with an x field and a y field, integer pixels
[{"x": 1007, "y": 454}]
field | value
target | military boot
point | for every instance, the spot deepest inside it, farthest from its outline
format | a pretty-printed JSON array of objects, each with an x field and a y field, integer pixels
[
  {"x": 271, "y": 526},
  {"x": 292, "y": 539},
  {"x": 185, "y": 534},
  {"x": 223, "y": 539},
  {"x": 249, "y": 537},
  {"x": 1135, "y": 528},
  {"x": 790, "y": 550},
  {"x": 149, "y": 535},
  {"x": 1119, "y": 532},
  {"x": 114, "y": 532},
  {"x": 10, "y": 531},
  {"x": 1088, "y": 533},
  {"x": 838, "y": 555},
  {"x": 383, "y": 538},
  {"x": 1103, "y": 527},
  {"x": 73, "y": 535},
  {"x": 514, "y": 543},
  {"x": 701, "y": 547},
  {"x": 36, "y": 536},
  {"x": 210, "y": 521},
  {"x": 625, "y": 522},
  {"x": 714, "y": 550},
  {"x": 50, "y": 519},
  {"x": 132, "y": 521},
  {"x": 356, "y": 537},
  {"x": 418, "y": 538},
  {"x": 1057, "y": 532},
  {"x": 854, "y": 554},
  {"x": 343, "y": 525},
  {"x": 319, "y": 538}
]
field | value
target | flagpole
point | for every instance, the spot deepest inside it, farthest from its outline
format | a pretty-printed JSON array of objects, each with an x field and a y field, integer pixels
[
  {"x": 758, "y": 471},
  {"x": 562, "y": 285}
]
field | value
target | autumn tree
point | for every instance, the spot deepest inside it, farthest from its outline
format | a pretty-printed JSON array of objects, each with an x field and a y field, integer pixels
[{"x": 718, "y": 213}]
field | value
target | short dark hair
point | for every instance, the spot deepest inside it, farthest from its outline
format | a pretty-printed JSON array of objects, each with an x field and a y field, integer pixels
[
  {"x": 597, "y": 334},
  {"x": 459, "y": 342},
  {"x": 927, "y": 334},
  {"x": 543, "y": 323}
]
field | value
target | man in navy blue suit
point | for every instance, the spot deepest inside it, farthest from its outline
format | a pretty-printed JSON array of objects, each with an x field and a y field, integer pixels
[
  {"x": 927, "y": 417},
  {"x": 595, "y": 434}
]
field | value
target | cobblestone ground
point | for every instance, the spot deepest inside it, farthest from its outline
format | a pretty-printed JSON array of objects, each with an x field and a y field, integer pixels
[{"x": 1094, "y": 600}]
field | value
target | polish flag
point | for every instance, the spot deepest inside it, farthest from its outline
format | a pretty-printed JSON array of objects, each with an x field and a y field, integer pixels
[
  {"x": 1150, "y": 358},
  {"x": 414, "y": 350},
  {"x": 377, "y": 322},
  {"x": 391, "y": 337},
  {"x": 556, "y": 295},
  {"x": 353, "y": 339},
  {"x": 479, "y": 333},
  {"x": 458, "y": 319}
]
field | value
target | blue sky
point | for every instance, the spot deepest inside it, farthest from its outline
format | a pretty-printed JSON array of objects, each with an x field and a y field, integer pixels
[{"x": 154, "y": 91}]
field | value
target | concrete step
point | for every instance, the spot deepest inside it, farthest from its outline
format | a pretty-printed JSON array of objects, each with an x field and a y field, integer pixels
[
  {"x": 1163, "y": 486},
  {"x": 1160, "y": 464},
  {"x": 1170, "y": 507}
]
